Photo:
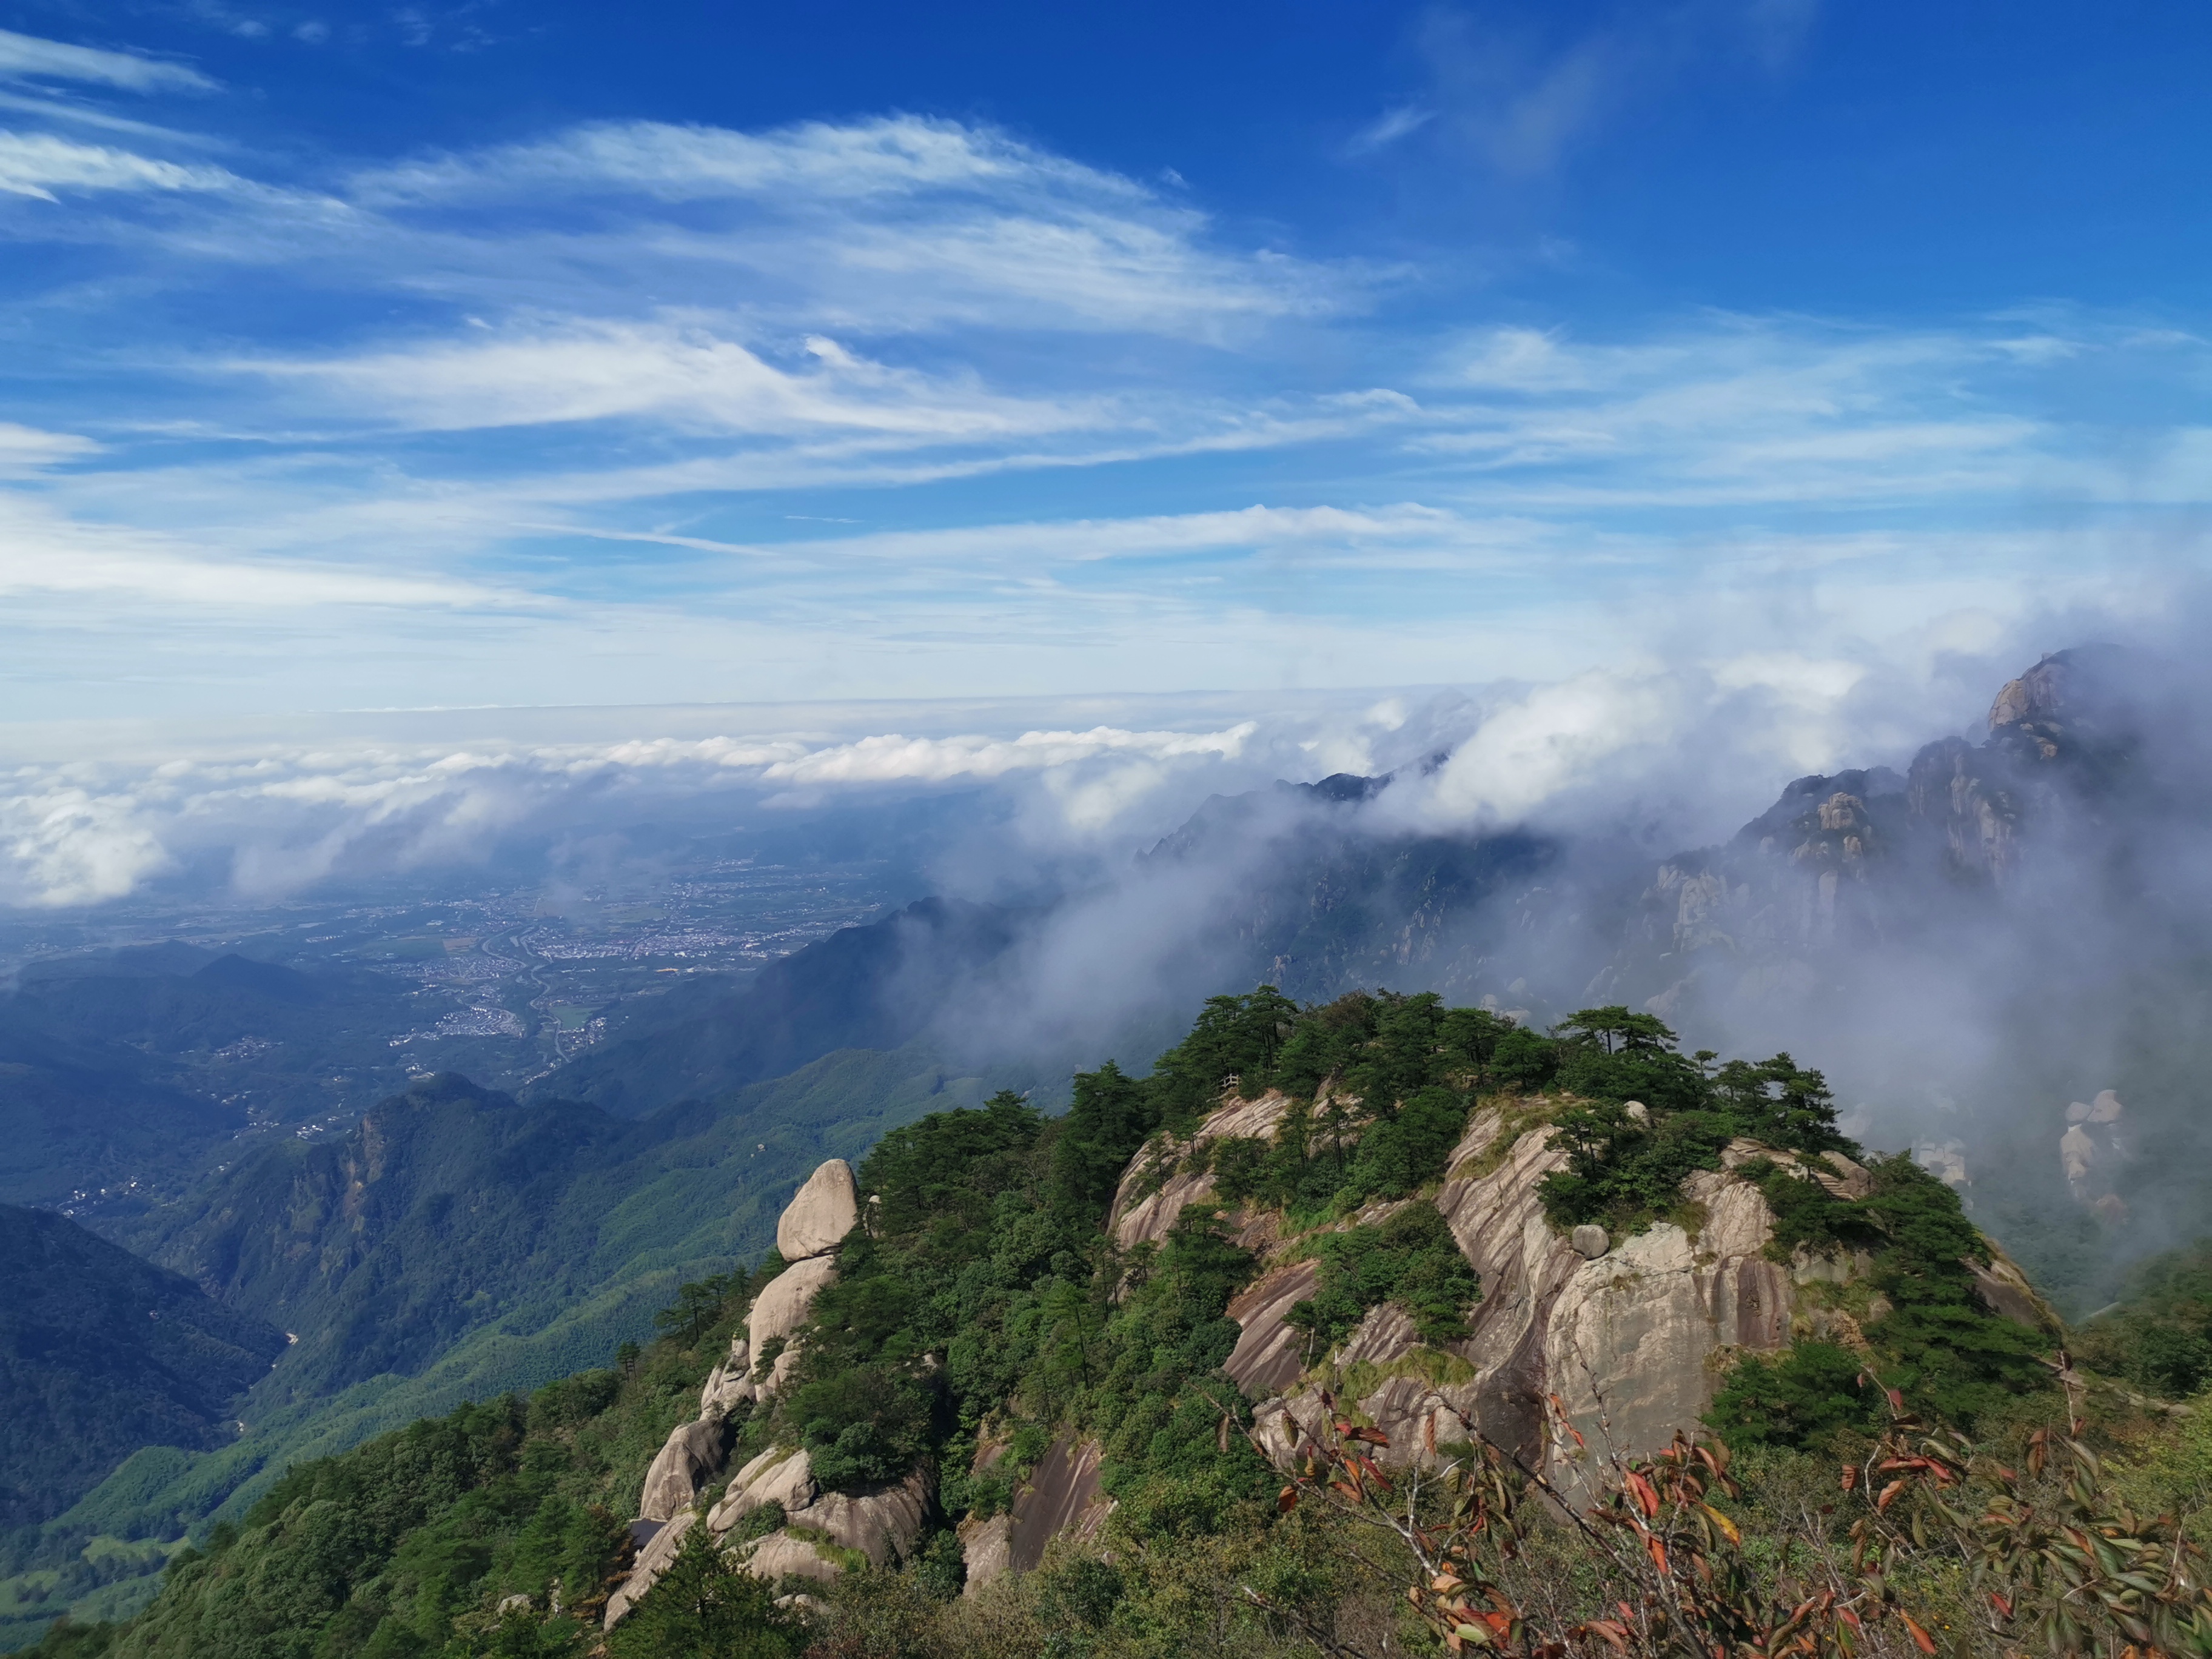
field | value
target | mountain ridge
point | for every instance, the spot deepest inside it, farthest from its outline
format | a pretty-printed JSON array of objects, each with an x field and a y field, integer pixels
[{"x": 102, "y": 1353}]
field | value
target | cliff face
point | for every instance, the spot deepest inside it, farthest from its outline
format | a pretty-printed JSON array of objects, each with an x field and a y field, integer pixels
[
  {"x": 1568, "y": 1343},
  {"x": 1629, "y": 1336},
  {"x": 1872, "y": 858}
]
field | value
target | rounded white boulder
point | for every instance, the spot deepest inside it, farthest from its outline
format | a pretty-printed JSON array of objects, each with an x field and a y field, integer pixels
[{"x": 817, "y": 1221}]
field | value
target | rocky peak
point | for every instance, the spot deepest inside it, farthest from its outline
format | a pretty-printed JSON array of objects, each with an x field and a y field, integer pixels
[
  {"x": 813, "y": 1225},
  {"x": 2067, "y": 698},
  {"x": 820, "y": 1214}
]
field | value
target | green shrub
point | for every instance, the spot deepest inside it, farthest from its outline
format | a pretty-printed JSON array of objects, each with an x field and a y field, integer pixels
[
  {"x": 1800, "y": 1398},
  {"x": 1411, "y": 1258},
  {"x": 1938, "y": 1342},
  {"x": 706, "y": 1606}
]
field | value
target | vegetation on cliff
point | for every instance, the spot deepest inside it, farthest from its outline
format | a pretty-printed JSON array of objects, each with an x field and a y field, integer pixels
[{"x": 983, "y": 1307}]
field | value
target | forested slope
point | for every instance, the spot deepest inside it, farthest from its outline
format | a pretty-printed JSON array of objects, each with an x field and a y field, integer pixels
[
  {"x": 543, "y": 1271},
  {"x": 101, "y": 1353},
  {"x": 986, "y": 1320}
]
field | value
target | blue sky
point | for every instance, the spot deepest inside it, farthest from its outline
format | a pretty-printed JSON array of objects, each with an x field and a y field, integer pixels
[{"x": 399, "y": 356}]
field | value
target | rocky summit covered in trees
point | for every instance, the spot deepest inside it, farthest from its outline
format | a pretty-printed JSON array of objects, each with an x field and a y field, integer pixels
[{"x": 1366, "y": 1328}]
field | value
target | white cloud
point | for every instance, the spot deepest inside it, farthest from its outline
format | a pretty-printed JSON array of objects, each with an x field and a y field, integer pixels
[
  {"x": 892, "y": 155},
  {"x": 1388, "y": 128},
  {"x": 898, "y": 222},
  {"x": 86, "y": 831},
  {"x": 27, "y": 449},
  {"x": 1524, "y": 105},
  {"x": 43, "y": 552},
  {"x": 1789, "y": 410},
  {"x": 37, "y": 164},
  {"x": 27, "y": 56},
  {"x": 1089, "y": 540},
  {"x": 1538, "y": 746},
  {"x": 62, "y": 844},
  {"x": 560, "y": 395},
  {"x": 594, "y": 370},
  {"x": 885, "y": 759}
]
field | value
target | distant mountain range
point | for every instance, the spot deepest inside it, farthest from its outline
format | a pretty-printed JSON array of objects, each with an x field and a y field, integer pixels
[
  {"x": 877, "y": 987},
  {"x": 101, "y": 1353},
  {"x": 144, "y": 1065}
]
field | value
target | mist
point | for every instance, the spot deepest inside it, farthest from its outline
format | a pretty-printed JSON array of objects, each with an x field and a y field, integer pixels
[{"x": 1971, "y": 939}]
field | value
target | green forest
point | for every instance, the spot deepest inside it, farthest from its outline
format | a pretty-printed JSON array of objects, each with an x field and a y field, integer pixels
[{"x": 1951, "y": 1481}]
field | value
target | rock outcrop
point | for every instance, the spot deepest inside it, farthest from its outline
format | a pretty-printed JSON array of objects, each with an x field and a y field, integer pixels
[
  {"x": 652, "y": 1561},
  {"x": 2091, "y": 1151},
  {"x": 811, "y": 1229},
  {"x": 731, "y": 1383},
  {"x": 1632, "y": 1335},
  {"x": 779, "y": 1310},
  {"x": 819, "y": 1216},
  {"x": 1153, "y": 1194},
  {"x": 881, "y": 1524},
  {"x": 692, "y": 1456},
  {"x": 1061, "y": 1498}
]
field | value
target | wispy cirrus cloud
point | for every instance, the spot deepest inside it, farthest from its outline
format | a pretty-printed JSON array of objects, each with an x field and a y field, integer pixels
[
  {"x": 592, "y": 370},
  {"x": 39, "y": 164},
  {"x": 894, "y": 155},
  {"x": 28, "y": 57},
  {"x": 1524, "y": 102},
  {"x": 894, "y": 223},
  {"x": 563, "y": 416}
]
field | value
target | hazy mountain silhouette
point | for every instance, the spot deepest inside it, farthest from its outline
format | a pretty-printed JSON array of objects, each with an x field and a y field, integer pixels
[{"x": 100, "y": 1353}]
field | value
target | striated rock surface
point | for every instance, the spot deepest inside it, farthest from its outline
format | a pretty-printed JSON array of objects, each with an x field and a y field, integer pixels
[
  {"x": 988, "y": 1547},
  {"x": 1632, "y": 1335},
  {"x": 1630, "y": 1342},
  {"x": 1061, "y": 1496},
  {"x": 2007, "y": 1289},
  {"x": 1269, "y": 1353},
  {"x": 821, "y": 1212},
  {"x": 1146, "y": 1204}
]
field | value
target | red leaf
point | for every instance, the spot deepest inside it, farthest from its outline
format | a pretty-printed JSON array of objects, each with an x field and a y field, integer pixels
[
  {"x": 1888, "y": 1495},
  {"x": 1658, "y": 1552},
  {"x": 2003, "y": 1606},
  {"x": 1286, "y": 1500},
  {"x": 1927, "y": 1642},
  {"x": 1646, "y": 1499}
]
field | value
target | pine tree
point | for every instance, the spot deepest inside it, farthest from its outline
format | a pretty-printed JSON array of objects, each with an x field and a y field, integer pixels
[{"x": 705, "y": 1605}]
